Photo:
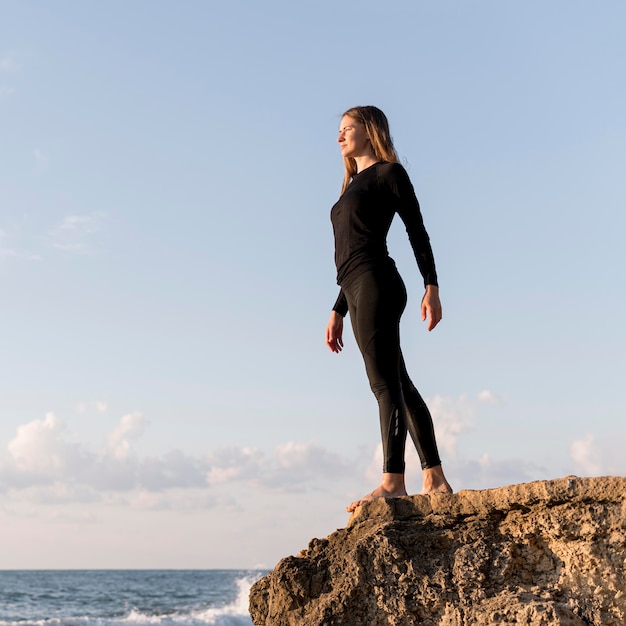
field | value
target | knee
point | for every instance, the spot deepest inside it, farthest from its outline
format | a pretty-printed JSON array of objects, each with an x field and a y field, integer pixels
[{"x": 385, "y": 391}]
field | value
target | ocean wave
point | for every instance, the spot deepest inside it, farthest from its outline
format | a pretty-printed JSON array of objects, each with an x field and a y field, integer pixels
[{"x": 232, "y": 614}]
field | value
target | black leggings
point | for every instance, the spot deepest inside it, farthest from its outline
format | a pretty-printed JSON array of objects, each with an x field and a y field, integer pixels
[{"x": 376, "y": 300}]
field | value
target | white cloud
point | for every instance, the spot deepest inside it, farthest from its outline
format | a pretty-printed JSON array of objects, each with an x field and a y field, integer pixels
[
  {"x": 221, "y": 475},
  {"x": 231, "y": 464},
  {"x": 489, "y": 397},
  {"x": 42, "y": 455},
  {"x": 44, "y": 461},
  {"x": 32, "y": 448},
  {"x": 301, "y": 467},
  {"x": 488, "y": 473},
  {"x": 292, "y": 467},
  {"x": 37, "y": 449},
  {"x": 9, "y": 249},
  {"x": 99, "y": 406},
  {"x": 75, "y": 233},
  {"x": 453, "y": 416},
  {"x": 292, "y": 456},
  {"x": 586, "y": 454},
  {"x": 172, "y": 470},
  {"x": 131, "y": 426},
  {"x": 45, "y": 458}
]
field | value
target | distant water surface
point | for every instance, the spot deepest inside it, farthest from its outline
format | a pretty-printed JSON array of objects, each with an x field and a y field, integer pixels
[{"x": 113, "y": 597}]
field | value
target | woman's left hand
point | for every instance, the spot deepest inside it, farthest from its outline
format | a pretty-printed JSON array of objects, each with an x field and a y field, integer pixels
[
  {"x": 334, "y": 333},
  {"x": 431, "y": 306}
]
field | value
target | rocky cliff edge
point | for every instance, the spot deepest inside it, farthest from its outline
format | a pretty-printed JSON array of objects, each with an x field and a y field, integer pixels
[{"x": 540, "y": 554}]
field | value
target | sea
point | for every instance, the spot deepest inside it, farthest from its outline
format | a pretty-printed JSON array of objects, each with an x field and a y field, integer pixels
[{"x": 128, "y": 597}]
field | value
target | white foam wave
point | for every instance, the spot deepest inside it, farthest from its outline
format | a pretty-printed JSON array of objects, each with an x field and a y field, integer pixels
[{"x": 233, "y": 614}]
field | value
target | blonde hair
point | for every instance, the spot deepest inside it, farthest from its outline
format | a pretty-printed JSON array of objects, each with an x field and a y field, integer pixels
[{"x": 377, "y": 128}]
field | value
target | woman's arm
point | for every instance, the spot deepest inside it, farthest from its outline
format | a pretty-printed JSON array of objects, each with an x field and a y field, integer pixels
[
  {"x": 408, "y": 209},
  {"x": 334, "y": 332},
  {"x": 431, "y": 306},
  {"x": 341, "y": 304}
]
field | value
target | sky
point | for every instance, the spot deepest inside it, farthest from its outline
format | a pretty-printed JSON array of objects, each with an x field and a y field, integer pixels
[{"x": 167, "y": 171}]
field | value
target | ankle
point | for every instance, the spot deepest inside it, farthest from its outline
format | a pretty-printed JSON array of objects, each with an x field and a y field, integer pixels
[
  {"x": 392, "y": 482},
  {"x": 434, "y": 480}
]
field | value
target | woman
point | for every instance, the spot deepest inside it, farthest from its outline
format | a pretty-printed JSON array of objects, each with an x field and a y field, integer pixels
[{"x": 375, "y": 188}]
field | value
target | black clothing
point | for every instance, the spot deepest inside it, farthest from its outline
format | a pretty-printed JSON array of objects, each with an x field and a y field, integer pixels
[
  {"x": 376, "y": 300},
  {"x": 361, "y": 219},
  {"x": 374, "y": 294}
]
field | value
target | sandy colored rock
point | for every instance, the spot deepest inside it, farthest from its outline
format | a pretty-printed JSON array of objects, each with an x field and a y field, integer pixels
[{"x": 540, "y": 554}]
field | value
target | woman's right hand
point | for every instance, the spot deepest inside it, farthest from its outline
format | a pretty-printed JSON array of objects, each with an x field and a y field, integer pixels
[{"x": 334, "y": 332}]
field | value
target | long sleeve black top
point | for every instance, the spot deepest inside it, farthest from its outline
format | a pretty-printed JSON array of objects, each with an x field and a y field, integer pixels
[{"x": 362, "y": 217}]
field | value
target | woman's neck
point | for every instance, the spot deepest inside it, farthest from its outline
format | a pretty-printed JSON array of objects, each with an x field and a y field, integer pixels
[{"x": 363, "y": 162}]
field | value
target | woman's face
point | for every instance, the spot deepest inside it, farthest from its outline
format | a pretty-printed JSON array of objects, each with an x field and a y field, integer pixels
[{"x": 353, "y": 139}]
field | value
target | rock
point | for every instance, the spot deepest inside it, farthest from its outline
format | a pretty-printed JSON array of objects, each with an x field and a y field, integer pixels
[{"x": 540, "y": 554}]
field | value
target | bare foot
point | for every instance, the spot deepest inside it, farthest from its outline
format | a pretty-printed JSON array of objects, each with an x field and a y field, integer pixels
[
  {"x": 379, "y": 492},
  {"x": 434, "y": 481},
  {"x": 442, "y": 488}
]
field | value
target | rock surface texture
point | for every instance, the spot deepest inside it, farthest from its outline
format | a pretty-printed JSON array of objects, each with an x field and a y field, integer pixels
[{"x": 539, "y": 554}]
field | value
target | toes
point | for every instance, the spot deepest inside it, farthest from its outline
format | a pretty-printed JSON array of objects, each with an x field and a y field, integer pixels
[{"x": 353, "y": 506}]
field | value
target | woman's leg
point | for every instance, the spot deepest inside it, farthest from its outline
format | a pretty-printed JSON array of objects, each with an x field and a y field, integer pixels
[
  {"x": 376, "y": 303},
  {"x": 419, "y": 421},
  {"x": 420, "y": 426}
]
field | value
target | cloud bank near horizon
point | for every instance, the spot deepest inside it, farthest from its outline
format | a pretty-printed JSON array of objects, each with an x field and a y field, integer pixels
[{"x": 46, "y": 463}]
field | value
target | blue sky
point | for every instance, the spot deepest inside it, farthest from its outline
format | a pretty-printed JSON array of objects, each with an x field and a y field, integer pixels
[{"x": 166, "y": 176}]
